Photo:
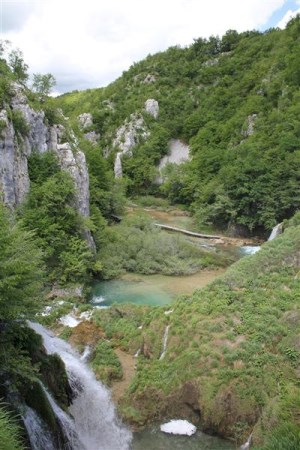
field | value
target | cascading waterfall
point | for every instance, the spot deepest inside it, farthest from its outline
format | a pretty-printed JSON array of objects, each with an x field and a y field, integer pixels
[
  {"x": 165, "y": 340},
  {"x": 275, "y": 232},
  {"x": 92, "y": 411},
  {"x": 66, "y": 422},
  {"x": 39, "y": 435}
]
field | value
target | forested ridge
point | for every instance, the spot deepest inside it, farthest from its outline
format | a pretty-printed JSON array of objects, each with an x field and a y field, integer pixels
[{"x": 235, "y": 101}]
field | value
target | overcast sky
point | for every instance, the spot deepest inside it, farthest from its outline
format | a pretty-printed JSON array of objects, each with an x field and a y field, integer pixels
[{"x": 89, "y": 43}]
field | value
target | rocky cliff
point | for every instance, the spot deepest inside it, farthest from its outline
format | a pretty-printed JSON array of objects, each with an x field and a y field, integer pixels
[{"x": 24, "y": 130}]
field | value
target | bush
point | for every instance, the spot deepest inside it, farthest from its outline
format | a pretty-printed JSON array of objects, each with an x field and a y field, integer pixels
[{"x": 20, "y": 124}]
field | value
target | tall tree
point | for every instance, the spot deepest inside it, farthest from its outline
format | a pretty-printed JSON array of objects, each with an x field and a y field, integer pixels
[
  {"x": 43, "y": 84},
  {"x": 20, "y": 270}
]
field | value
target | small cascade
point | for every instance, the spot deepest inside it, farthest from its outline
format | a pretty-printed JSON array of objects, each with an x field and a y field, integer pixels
[
  {"x": 92, "y": 412},
  {"x": 247, "y": 444},
  {"x": 86, "y": 354},
  {"x": 275, "y": 232},
  {"x": 39, "y": 434},
  {"x": 165, "y": 340}
]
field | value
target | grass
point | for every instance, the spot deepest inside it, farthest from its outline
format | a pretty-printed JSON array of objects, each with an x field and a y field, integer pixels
[
  {"x": 9, "y": 431},
  {"x": 136, "y": 245},
  {"x": 236, "y": 340}
]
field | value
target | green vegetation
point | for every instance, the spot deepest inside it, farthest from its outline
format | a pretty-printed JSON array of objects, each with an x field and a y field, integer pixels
[
  {"x": 9, "y": 431},
  {"x": 50, "y": 211},
  {"x": 235, "y": 100},
  {"x": 105, "y": 363},
  {"x": 20, "y": 282},
  {"x": 236, "y": 341},
  {"x": 136, "y": 245}
]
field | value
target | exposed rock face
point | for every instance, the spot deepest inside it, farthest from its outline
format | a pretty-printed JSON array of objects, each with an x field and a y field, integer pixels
[
  {"x": 250, "y": 125},
  {"x": 92, "y": 136},
  {"x": 75, "y": 164},
  {"x": 178, "y": 154},
  {"x": 152, "y": 107},
  {"x": 14, "y": 179},
  {"x": 118, "y": 166},
  {"x": 149, "y": 79},
  {"x": 85, "y": 120},
  {"x": 15, "y": 150},
  {"x": 127, "y": 136}
]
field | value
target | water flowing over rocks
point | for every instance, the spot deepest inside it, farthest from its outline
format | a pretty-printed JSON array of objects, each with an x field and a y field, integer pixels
[
  {"x": 92, "y": 423},
  {"x": 276, "y": 231},
  {"x": 38, "y": 433}
]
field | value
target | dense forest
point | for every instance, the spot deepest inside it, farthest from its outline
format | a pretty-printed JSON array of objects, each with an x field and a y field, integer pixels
[
  {"x": 235, "y": 101},
  {"x": 233, "y": 347}
]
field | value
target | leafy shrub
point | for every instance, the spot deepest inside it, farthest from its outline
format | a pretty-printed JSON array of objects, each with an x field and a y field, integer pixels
[
  {"x": 105, "y": 363},
  {"x": 20, "y": 124}
]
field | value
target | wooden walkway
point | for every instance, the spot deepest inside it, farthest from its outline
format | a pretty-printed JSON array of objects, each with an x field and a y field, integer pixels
[{"x": 188, "y": 233}]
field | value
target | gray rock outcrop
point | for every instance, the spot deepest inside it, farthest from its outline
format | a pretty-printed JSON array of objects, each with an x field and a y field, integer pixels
[
  {"x": 85, "y": 120},
  {"x": 250, "y": 125},
  {"x": 152, "y": 107},
  {"x": 127, "y": 137},
  {"x": 16, "y": 148},
  {"x": 178, "y": 153}
]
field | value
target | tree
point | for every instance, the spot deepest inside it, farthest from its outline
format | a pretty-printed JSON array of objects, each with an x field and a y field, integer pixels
[
  {"x": 18, "y": 66},
  {"x": 43, "y": 84},
  {"x": 20, "y": 270},
  {"x": 50, "y": 211}
]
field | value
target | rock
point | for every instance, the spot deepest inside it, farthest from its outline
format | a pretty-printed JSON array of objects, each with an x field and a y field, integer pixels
[
  {"x": 128, "y": 135},
  {"x": 85, "y": 120},
  {"x": 178, "y": 153},
  {"x": 75, "y": 291},
  {"x": 118, "y": 166},
  {"x": 75, "y": 165},
  {"x": 15, "y": 150},
  {"x": 92, "y": 136},
  {"x": 152, "y": 107},
  {"x": 14, "y": 178},
  {"x": 149, "y": 79},
  {"x": 250, "y": 125}
]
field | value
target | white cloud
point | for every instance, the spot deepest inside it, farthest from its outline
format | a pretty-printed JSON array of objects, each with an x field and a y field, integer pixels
[
  {"x": 89, "y": 43},
  {"x": 287, "y": 17}
]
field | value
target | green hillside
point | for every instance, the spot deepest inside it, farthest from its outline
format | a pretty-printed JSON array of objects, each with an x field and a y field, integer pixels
[
  {"x": 233, "y": 351},
  {"x": 235, "y": 101}
]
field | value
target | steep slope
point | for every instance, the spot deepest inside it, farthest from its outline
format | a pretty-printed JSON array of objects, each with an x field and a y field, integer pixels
[
  {"x": 235, "y": 100},
  {"x": 232, "y": 355}
]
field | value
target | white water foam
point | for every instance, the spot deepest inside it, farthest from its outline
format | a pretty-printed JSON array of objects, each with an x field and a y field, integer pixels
[
  {"x": 179, "y": 427},
  {"x": 92, "y": 410}
]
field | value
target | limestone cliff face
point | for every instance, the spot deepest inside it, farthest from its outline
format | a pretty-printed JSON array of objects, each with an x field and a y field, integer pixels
[{"x": 16, "y": 148}]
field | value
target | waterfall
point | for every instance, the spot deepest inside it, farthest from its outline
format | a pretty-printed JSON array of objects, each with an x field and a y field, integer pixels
[
  {"x": 39, "y": 434},
  {"x": 86, "y": 354},
  {"x": 276, "y": 230},
  {"x": 92, "y": 413},
  {"x": 165, "y": 340},
  {"x": 66, "y": 422},
  {"x": 247, "y": 444}
]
